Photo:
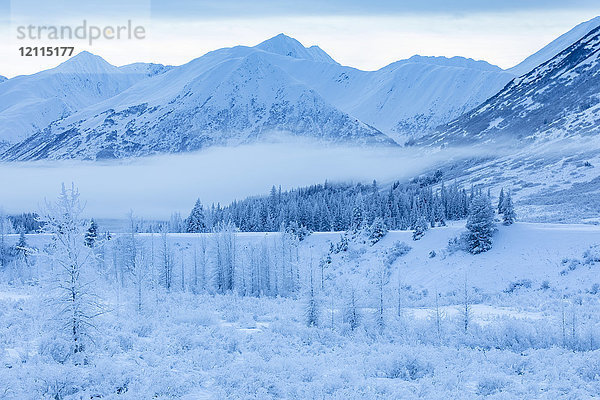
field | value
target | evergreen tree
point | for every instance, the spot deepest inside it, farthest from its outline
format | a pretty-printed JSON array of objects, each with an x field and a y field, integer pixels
[
  {"x": 509, "y": 211},
  {"x": 92, "y": 234},
  {"x": 421, "y": 227},
  {"x": 22, "y": 250},
  {"x": 357, "y": 215},
  {"x": 501, "y": 202},
  {"x": 480, "y": 225},
  {"x": 377, "y": 230},
  {"x": 196, "y": 222}
]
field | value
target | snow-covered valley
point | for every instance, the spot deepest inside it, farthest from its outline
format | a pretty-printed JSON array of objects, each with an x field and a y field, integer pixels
[
  {"x": 263, "y": 222},
  {"x": 529, "y": 310}
]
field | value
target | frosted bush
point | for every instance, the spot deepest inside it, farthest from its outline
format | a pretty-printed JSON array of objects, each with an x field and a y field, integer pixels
[
  {"x": 490, "y": 385},
  {"x": 523, "y": 283},
  {"x": 592, "y": 255},
  {"x": 397, "y": 250},
  {"x": 407, "y": 367},
  {"x": 458, "y": 243},
  {"x": 55, "y": 347},
  {"x": 590, "y": 370}
]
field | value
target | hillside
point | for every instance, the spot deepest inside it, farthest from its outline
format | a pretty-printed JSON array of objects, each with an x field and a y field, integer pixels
[{"x": 558, "y": 99}]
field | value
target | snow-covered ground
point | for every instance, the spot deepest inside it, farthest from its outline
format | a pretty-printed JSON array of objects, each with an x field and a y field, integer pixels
[{"x": 533, "y": 324}]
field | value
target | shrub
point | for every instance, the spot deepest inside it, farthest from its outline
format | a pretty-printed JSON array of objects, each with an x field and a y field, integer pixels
[
  {"x": 396, "y": 251},
  {"x": 490, "y": 385}
]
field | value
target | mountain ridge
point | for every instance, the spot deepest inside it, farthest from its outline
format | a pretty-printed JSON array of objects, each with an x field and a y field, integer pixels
[
  {"x": 557, "y": 99},
  {"x": 306, "y": 93}
]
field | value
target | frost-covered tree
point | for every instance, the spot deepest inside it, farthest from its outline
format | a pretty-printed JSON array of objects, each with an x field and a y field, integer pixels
[
  {"x": 92, "y": 234},
  {"x": 23, "y": 255},
  {"x": 176, "y": 224},
  {"x": 5, "y": 229},
  {"x": 225, "y": 258},
  {"x": 351, "y": 313},
  {"x": 166, "y": 269},
  {"x": 196, "y": 221},
  {"x": 323, "y": 265},
  {"x": 137, "y": 260},
  {"x": 509, "y": 215},
  {"x": 312, "y": 305},
  {"x": 357, "y": 214},
  {"x": 466, "y": 313},
  {"x": 199, "y": 248},
  {"x": 63, "y": 220},
  {"x": 382, "y": 278},
  {"x": 480, "y": 225},
  {"x": 421, "y": 226},
  {"x": 501, "y": 202},
  {"x": 437, "y": 318},
  {"x": 377, "y": 230}
]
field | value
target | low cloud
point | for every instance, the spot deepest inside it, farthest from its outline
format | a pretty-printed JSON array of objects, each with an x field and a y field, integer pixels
[{"x": 156, "y": 186}]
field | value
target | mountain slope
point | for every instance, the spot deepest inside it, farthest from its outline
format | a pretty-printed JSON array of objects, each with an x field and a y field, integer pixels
[
  {"x": 556, "y": 46},
  {"x": 29, "y": 103},
  {"x": 2, "y": 78},
  {"x": 411, "y": 97},
  {"x": 229, "y": 96},
  {"x": 560, "y": 98}
]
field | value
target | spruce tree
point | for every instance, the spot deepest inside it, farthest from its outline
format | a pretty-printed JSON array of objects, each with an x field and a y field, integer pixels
[
  {"x": 377, "y": 230},
  {"x": 501, "y": 202},
  {"x": 92, "y": 234},
  {"x": 196, "y": 222},
  {"x": 509, "y": 210},
  {"x": 480, "y": 224},
  {"x": 420, "y": 227}
]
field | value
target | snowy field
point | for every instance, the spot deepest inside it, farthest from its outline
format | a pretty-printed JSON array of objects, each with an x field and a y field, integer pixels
[{"x": 532, "y": 315}]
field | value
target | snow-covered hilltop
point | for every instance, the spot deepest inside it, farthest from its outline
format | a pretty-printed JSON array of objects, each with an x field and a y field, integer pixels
[{"x": 29, "y": 103}]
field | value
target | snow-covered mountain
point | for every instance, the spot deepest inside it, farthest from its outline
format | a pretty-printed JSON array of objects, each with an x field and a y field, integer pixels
[
  {"x": 555, "y": 47},
  {"x": 241, "y": 94},
  {"x": 228, "y": 96},
  {"x": 560, "y": 98},
  {"x": 30, "y": 103},
  {"x": 412, "y": 97},
  {"x": 2, "y": 78}
]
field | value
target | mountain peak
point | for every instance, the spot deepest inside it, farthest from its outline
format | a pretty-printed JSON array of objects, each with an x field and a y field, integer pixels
[
  {"x": 288, "y": 46},
  {"x": 85, "y": 62}
]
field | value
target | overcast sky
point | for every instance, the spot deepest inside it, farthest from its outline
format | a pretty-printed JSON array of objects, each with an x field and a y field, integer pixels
[{"x": 365, "y": 35}]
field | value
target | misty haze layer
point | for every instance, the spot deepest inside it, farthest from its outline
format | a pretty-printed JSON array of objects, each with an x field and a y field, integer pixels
[{"x": 156, "y": 186}]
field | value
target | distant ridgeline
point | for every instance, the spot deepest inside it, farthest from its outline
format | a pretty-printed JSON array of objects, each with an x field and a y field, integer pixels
[{"x": 337, "y": 207}]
